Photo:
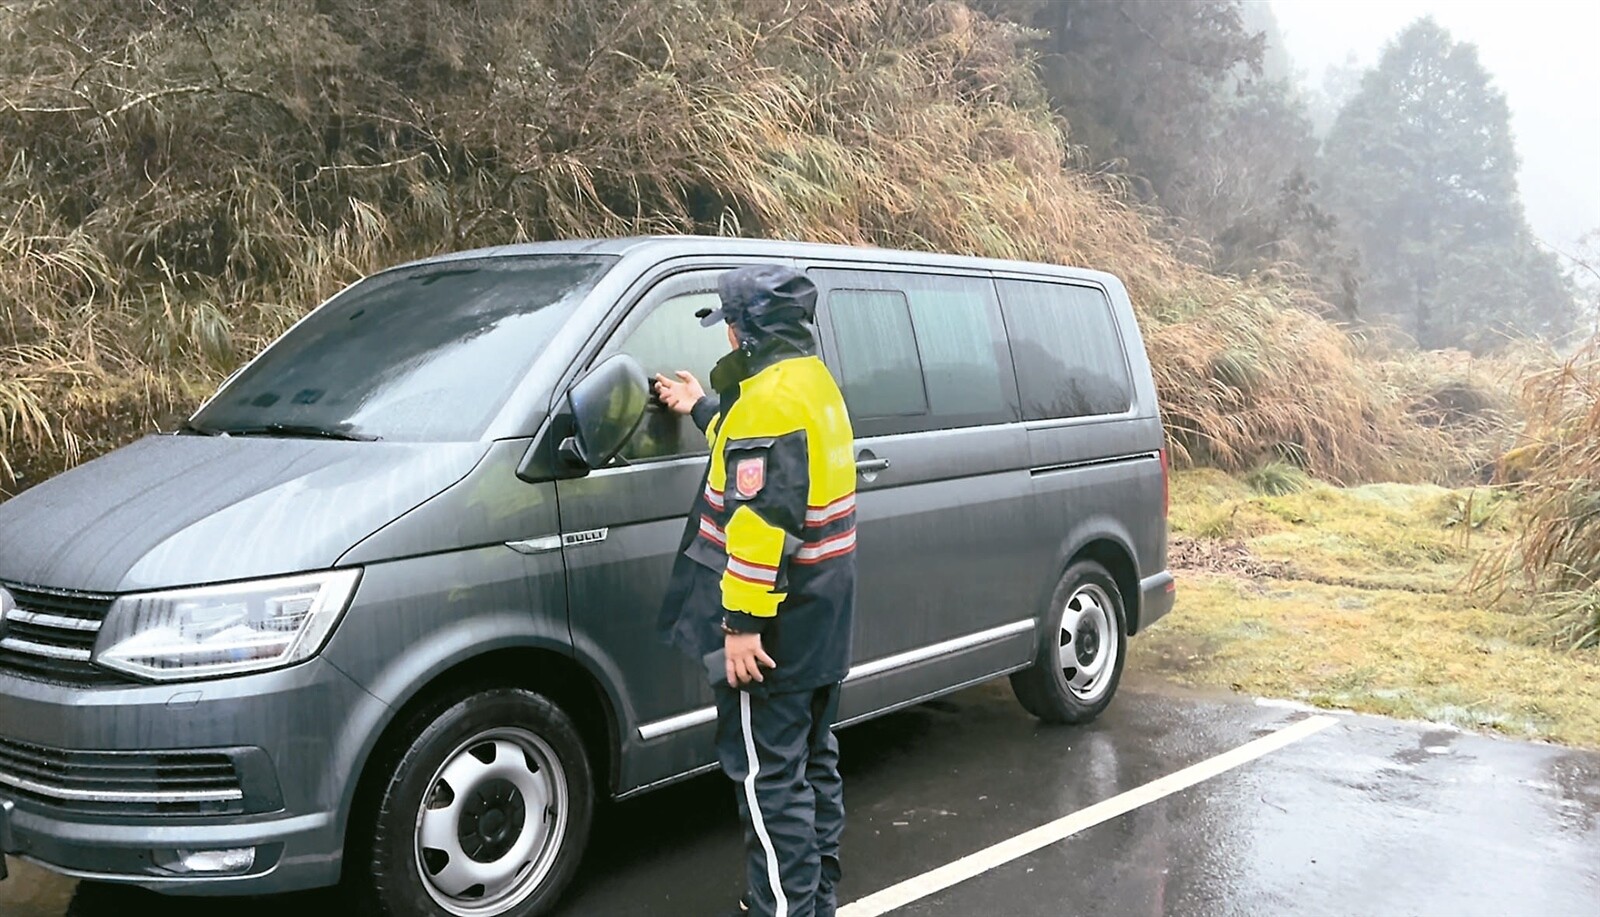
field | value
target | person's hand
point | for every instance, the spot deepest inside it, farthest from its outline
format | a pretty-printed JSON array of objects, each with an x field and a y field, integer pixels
[
  {"x": 679, "y": 396},
  {"x": 745, "y": 659}
]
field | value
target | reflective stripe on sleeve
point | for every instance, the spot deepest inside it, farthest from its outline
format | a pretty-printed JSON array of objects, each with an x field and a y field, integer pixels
[
  {"x": 838, "y": 509},
  {"x": 713, "y": 532},
  {"x": 714, "y": 498},
  {"x": 752, "y": 573},
  {"x": 836, "y": 546}
]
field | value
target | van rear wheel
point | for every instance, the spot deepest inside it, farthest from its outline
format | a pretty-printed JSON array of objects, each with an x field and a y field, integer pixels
[
  {"x": 485, "y": 812},
  {"x": 1081, "y": 649}
]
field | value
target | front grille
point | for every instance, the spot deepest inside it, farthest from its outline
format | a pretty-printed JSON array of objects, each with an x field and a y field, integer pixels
[
  {"x": 121, "y": 783},
  {"x": 50, "y": 636}
]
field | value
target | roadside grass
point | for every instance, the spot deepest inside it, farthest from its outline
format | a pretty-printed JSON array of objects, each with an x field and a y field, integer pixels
[{"x": 1354, "y": 599}]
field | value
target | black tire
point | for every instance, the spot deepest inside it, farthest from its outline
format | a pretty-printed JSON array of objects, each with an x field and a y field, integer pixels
[
  {"x": 1046, "y": 688},
  {"x": 385, "y": 870}
]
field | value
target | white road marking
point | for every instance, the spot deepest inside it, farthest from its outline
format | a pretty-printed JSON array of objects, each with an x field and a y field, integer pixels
[
  {"x": 1278, "y": 703},
  {"x": 973, "y": 865}
]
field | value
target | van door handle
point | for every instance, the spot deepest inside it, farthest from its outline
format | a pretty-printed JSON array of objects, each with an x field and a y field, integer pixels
[{"x": 871, "y": 465}]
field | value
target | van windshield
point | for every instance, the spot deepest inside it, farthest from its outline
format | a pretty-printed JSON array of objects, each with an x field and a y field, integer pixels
[{"x": 423, "y": 354}]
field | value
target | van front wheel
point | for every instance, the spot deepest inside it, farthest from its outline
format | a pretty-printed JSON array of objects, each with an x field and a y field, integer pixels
[
  {"x": 485, "y": 812},
  {"x": 1081, "y": 650}
]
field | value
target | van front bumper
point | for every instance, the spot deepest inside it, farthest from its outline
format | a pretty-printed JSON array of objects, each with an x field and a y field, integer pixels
[{"x": 111, "y": 783}]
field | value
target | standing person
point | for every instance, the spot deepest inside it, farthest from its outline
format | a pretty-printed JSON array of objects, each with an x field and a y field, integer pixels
[{"x": 764, "y": 589}]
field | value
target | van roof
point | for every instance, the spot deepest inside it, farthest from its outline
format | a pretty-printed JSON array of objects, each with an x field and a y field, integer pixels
[{"x": 680, "y": 246}]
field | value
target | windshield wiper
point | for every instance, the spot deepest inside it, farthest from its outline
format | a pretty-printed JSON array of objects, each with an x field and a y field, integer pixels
[
  {"x": 189, "y": 426},
  {"x": 299, "y": 429}
]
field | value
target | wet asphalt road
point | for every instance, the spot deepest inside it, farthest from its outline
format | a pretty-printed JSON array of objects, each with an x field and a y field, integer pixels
[{"x": 1370, "y": 816}]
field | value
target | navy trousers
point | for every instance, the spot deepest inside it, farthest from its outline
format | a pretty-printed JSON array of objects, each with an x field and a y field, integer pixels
[{"x": 780, "y": 752}]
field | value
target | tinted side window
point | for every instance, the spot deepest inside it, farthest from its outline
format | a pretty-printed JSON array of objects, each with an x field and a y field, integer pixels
[
  {"x": 880, "y": 373},
  {"x": 664, "y": 339},
  {"x": 919, "y": 351},
  {"x": 1068, "y": 353},
  {"x": 963, "y": 346}
]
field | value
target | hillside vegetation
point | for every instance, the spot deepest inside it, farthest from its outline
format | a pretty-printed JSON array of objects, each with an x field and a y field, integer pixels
[{"x": 180, "y": 181}]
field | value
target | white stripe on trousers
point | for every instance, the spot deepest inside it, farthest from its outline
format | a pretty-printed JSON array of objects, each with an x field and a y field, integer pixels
[{"x": 755, "y": 808}]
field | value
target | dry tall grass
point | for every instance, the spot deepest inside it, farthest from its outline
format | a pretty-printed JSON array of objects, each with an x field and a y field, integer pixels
[
  {"x": 182, "y": 180},
  {"x": 1553, "y": 564}
]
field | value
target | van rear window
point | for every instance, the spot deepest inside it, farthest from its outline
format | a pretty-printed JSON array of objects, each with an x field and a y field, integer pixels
[
  {"x": 1066, "y": 349},
  {"x": 421, "y": 354}
]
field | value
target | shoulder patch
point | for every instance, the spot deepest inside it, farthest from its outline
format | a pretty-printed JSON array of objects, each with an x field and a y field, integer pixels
[{"x": 749, "y": 476}]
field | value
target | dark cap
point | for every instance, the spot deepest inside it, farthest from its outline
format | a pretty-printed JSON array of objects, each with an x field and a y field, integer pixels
[{"x": 764, "y": 298}]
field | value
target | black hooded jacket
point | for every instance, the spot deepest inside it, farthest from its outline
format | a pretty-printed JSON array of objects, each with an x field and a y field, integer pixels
[{"x": 770, "y": 543}]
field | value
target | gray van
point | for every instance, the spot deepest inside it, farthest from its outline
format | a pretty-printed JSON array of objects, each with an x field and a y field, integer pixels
[{"x": 383, "y": 610}]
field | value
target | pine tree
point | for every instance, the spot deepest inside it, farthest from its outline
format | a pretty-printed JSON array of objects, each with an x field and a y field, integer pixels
[{"x": 1421, "y": 167}]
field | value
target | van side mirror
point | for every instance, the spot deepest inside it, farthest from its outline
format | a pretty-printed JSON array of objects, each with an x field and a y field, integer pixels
[{"x": 606, "y": 407}]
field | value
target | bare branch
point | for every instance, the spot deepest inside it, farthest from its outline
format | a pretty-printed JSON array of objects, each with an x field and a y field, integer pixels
[
  {"x": 369, "y": 167},
  {"x": 158, "y": 94},
  {"x": 33, "y": 109}
]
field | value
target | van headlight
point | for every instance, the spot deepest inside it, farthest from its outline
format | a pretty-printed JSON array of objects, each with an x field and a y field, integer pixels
[{"x": 224, "y": 630}]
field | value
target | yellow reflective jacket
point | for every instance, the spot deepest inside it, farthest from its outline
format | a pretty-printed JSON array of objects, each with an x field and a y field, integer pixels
[{"x": 771, "y": 542}]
